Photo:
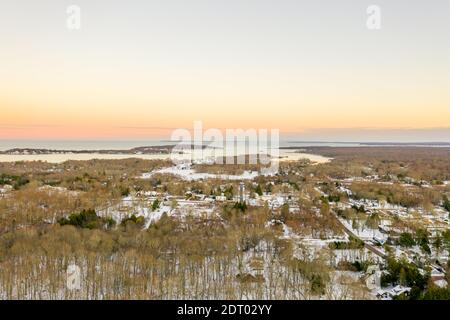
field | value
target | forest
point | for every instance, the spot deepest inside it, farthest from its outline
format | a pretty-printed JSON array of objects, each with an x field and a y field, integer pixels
[{"x": 52, "y": 217}]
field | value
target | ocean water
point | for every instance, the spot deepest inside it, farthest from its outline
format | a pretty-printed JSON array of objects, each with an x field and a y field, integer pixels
[
  {"x": 128, "y": 144},
  {"x": 286, "y": 154},
  {"x": 80, "y": 144}
]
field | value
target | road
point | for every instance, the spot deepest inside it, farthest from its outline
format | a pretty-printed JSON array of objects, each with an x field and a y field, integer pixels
[{"x": 350, "y": 233}]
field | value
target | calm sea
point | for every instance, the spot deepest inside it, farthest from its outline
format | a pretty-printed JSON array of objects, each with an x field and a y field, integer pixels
[
  {"x": 128, "y": 144},
  {"x": 116, "y": 145},
  {"x": 125, "y": 144}
]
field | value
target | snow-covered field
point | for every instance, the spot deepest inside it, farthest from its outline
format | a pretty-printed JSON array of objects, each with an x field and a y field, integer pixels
[
  {"x": 189, "y": 174},
  {"x": 143, "y": 208},
  {"x": 363, "y": 232}
]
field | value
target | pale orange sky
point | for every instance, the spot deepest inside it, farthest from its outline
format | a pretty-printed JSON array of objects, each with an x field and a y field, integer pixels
[{"x": 133, "y": 73}]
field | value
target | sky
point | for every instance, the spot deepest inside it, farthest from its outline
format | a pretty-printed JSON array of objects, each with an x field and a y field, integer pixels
[{"x": 140, "y": 69}]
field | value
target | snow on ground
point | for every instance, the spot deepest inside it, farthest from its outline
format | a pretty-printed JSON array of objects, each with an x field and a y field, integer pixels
[
  {"x": 142, "y": 208},
  {"x": 186, "y": 173},
  {"x": 309, "y": 248},
  {"x": 5, "y": 189},
  {"x": 52, "y": 190},
  {"x": 342, "y": 284},
  {"x": 287, "y": 233},
  {"x": 352, "y": 255},
  {"x": 441, "y": 283},
  {"x": 153, "y": 216},
  {"x": 364, "y": 233},
  {"x": 193, "y": 208}
]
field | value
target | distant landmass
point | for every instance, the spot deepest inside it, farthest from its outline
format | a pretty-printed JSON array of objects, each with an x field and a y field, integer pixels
[
  {"x": 165, "y": 149},
  {"x": 428, "y": 144}
]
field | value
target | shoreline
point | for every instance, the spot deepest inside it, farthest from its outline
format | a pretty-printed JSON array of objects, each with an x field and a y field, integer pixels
[{"x": 63, "y": 157}]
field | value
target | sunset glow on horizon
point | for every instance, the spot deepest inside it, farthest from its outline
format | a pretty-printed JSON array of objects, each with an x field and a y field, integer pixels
[{"x": 142, "y": 69}]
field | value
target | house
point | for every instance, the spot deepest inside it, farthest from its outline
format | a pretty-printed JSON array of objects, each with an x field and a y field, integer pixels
[
  {"x": 383, "y": 295},
  {"x": 183, "y": 166},
  {"x": 200, "y": 197},
  {"x": 396, "y": 291},
  {"x": 441, "y": 283},
  {"x": 379, "y": 240},
  {"x": 438, "y": 277},
  {"x": 221, "y": 198},
  {"x": 255, "y": 202}
]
